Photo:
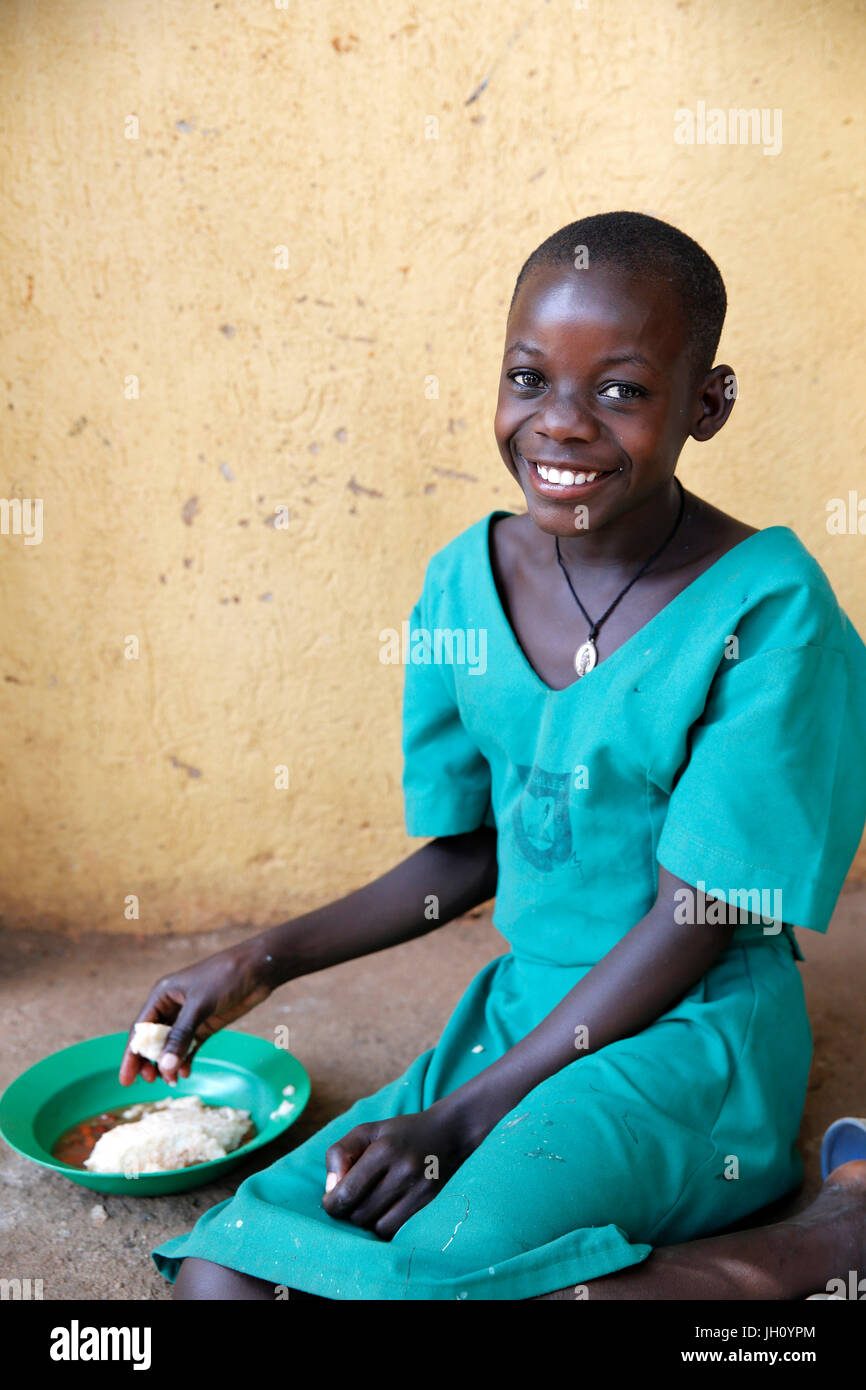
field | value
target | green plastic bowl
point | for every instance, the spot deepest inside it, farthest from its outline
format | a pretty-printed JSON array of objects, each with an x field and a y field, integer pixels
[{"x": 231, "y": 1068}]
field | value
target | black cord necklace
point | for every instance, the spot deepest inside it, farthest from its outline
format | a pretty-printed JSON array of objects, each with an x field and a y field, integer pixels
[{"x": 586, "y": 655}]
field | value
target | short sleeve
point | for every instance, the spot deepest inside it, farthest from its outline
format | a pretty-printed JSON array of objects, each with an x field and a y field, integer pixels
[
  {"x": 772, "y": 795},
  {"x": 446, "y": 779}
]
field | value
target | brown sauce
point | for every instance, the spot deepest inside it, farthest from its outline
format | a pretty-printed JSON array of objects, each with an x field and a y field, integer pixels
[{"x": 78, "y": 1142}]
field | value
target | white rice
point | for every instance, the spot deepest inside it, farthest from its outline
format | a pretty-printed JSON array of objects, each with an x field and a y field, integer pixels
[{"x": 175, "y": 1133}]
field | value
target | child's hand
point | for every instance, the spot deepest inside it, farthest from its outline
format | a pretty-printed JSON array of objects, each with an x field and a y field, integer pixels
[
  {"x": 197, "y": 1002},
  {"x": 380, "y": 1174}
]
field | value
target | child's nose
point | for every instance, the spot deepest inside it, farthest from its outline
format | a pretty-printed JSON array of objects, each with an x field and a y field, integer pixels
[{"x": 566, "y": 415}]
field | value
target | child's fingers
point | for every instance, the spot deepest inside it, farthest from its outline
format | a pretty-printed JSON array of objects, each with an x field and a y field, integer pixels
[
  {"x": 389, "y": 1199},
  {"x": 340, "y": 1160},
  {"x": 358, "y": 1183},
  {"x": 390, "y": 1222},
  {"x": 379, "y": 1200},
  {"x": 340, "y": 1156},
  {"x": 131, "y": 1064},
  {"x": 129, "y": 1067},
  {"x": 184, "y": 1068},
  {"x": 178, "y": 1043}
]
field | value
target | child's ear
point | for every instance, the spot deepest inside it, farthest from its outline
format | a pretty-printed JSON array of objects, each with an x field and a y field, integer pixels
[{"x": 715, "y": 401}]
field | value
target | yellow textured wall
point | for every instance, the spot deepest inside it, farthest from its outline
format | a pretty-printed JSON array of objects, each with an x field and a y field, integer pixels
[{"x": 303, "y": 384}]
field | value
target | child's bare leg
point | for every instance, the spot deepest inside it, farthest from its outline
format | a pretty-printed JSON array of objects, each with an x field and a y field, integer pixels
[
  {"x": 202, "y": 1279},
  {"x": 789, "y": 1260}
]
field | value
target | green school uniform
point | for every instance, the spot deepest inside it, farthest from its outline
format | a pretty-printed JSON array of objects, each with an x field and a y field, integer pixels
[{"x": 740, "y": 766}]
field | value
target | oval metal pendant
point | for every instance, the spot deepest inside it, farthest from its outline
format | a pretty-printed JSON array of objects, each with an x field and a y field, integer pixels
[{"x": 585, "y": 657}]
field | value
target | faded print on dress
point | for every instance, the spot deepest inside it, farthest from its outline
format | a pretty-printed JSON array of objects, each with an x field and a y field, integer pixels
[{"x": 540, "y": 820}]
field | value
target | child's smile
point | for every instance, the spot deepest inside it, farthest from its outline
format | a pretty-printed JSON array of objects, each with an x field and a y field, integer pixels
[
  {"x": 552, "y": 480},
  {"x": 596, "y": 397}
]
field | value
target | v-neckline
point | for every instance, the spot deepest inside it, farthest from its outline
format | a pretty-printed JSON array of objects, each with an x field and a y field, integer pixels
[{"x": 641, "y": 632}]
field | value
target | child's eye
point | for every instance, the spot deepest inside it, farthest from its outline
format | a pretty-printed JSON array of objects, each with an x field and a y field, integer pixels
[
  {"x": 623, "y": 386},
  {"x": 525, "y": 371}
]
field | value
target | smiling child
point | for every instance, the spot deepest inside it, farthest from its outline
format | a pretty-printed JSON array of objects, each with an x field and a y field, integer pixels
[{"x": 659, "y": 773}]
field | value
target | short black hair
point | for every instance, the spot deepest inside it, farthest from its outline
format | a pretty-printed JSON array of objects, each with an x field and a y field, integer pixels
[{"x": 644, "y": 245}]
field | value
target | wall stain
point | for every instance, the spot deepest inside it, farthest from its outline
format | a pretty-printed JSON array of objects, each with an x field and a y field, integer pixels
[
  {"x": 452, "y": 473},
  {"x": 354, "y": 486},
  {"x": 184, "y": 767}
]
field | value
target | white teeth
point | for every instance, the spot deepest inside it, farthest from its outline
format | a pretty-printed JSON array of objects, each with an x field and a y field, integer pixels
[{"x": 564, "y": 477}]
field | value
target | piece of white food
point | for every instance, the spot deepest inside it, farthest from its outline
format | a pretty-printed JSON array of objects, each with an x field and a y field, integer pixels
[{"x": 148, "y": 1039}]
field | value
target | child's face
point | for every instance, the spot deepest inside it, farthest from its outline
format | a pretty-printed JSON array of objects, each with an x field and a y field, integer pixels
[{"x": 569, "y": 400}]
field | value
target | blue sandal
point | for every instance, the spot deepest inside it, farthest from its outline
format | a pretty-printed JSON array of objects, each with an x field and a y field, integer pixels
[{"x": 843, "y": 1141}]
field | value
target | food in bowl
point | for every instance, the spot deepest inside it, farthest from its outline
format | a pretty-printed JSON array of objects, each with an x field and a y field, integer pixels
[{"x": 155, "y": 1137}]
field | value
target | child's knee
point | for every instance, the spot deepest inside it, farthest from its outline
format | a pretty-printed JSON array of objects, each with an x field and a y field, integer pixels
[{"x": 202, "y": 1279}]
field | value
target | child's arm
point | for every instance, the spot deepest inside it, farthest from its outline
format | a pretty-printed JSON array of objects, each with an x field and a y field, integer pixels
[
  {"x": 381, "y": 1176},
  {"x": 458, "y": 871}
]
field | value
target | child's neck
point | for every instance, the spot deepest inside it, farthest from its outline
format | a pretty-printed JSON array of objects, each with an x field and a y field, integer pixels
[{"x": 630, "y": 539}]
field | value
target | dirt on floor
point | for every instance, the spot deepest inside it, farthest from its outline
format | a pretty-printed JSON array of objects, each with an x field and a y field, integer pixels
[{"x": 354, "y": 1027}]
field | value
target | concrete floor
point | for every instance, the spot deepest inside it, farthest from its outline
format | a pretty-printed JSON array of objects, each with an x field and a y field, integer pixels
[{"x": 354, "y": 1027}]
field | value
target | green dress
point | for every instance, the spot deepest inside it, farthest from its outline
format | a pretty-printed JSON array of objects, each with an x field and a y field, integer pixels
[{"x": 740, "y": 766}]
